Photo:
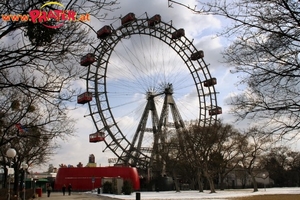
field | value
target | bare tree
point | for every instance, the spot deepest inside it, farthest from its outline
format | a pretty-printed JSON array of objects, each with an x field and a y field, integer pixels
[
  {"x": 31, "y": 126},
  {"x": 24, "y": 113},
  {"x": 294, "y": 167},
  {"x": 229, "y": 150},
  {"x": 171, "y": 156},
  {"x": 40, "y": 59},
  {"x": 252, "y": 152},
  {"x": 265, "y": 49},
  {"x": 39, "y": 63},
  {"x": 212, "y": 150},
  {"x": 283, "y": 165}
]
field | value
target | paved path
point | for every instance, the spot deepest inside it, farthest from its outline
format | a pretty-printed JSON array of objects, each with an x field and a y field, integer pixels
[{"x": 73, "y": 196}]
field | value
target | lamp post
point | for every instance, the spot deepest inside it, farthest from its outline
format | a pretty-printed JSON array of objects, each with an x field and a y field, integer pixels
[
  {"x": 24, "y": 166},
  {"x": 264, "y": 177},
  {"x": 35, "y": 179},
  {"x": 10, "y": 153}
]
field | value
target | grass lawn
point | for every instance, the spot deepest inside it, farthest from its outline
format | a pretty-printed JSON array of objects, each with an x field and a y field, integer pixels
[{"x": 271, "y": 197}]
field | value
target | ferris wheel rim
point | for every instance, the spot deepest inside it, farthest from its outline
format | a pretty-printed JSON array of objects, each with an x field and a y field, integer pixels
[{"x": 182, "y": 46}]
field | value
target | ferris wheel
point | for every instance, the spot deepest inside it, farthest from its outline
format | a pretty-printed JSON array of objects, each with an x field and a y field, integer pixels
[{"x": 145, "y": 80}]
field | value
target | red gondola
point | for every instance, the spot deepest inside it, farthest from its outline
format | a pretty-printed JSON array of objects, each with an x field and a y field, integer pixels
[
  {"x": 210, "y": 82},
  {"x": 197, "y": 55},
  {"x": 87, "y": 59},
  {"x": 84, "y": 98},
  {"x": 128, "y": 18},
  {"x": 154, "y": 20},
  {"x": 215, "y": 111},
  {"x": 177, "y": 34},
  {"x": 104, "y": 32},
  {"x": 97, "y": 137}
]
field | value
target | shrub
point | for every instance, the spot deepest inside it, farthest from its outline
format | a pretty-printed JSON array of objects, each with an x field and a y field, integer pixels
[
  {"x": 107, "y": 187},
  {"x": 127, "y": 188}
]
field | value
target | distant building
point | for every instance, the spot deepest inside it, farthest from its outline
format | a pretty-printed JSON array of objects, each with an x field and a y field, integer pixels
[{"x": 239, "y": 178}]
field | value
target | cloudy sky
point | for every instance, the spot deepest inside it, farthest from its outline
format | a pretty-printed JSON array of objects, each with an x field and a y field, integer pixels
[{"x": 201, "y": 29}]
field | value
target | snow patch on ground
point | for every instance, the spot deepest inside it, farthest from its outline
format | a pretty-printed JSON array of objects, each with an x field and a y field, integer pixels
[{"x": 195, "y": 195}]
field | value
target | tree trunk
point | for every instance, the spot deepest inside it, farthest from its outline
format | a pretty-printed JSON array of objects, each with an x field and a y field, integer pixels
[
  {"x": 254, "y": 183},
  {"x": 210, "y": 181},
  {"x": 192, "y": 184},
  {"x": 211, "y": 185},
  {"x": 222, "y": 186},
  {"x": 176, "y": 181},
  {"x": 199, "y": 179}
]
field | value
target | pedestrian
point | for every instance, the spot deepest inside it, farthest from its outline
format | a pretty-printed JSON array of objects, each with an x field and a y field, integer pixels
[
  {"x": 64, "y": 189},
  {"x": 69, "y": 188},
  {"x": 49, "y": 189}
]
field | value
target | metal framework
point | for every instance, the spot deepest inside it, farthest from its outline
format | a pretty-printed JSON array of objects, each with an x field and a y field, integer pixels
[{"x": 132, "y": 152}]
